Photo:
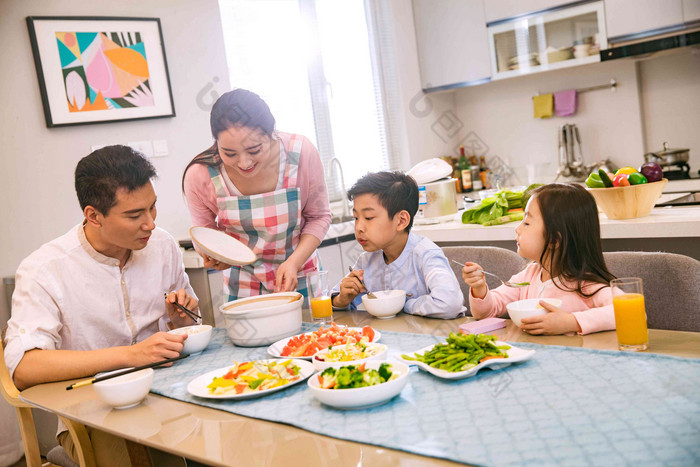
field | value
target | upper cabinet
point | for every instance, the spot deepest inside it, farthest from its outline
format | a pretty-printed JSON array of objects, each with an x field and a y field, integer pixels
[
  {"x": 501, "y": 9},
  {"x": 629, "y": 17},
  {"x": 452, "y": 43},
  {"x": 691, "y": 11},
  {"x": 546, "y": 40}
]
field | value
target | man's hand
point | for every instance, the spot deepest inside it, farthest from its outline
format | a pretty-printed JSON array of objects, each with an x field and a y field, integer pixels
[
  {"x": 159, "y": 346},
  {"x": 178, "y": 317},
  {"x": 350, "y": 287},
  {"x": 555, "y": 322}
]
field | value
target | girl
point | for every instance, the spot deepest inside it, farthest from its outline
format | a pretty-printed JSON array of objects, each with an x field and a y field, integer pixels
[
  {"x": 560, "y": 233},
  {"x": 264, "y": 188}
]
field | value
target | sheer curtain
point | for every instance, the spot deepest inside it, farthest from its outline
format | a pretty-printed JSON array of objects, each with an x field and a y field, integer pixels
[{"x": 321, "y": 66}]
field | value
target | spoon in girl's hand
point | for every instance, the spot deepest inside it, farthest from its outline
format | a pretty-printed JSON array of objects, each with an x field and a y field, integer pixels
[{"x": 509, "y": 284}]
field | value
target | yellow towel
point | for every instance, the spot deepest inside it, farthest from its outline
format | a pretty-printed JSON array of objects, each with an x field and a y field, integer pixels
[{"x": 544, "y": 105}]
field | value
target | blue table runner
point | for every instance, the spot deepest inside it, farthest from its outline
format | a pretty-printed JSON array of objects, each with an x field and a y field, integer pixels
[{"x": 567, "y": 405}]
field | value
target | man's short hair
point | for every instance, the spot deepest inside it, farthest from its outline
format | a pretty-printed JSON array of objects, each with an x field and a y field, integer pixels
[
  {"x": 395, "y": 191},
  {"x": 99, "y": 175}
]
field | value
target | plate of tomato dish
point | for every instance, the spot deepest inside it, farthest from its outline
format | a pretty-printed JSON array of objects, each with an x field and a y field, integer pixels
[
  {"x": 306, "y": 345},
  {"x": 245, "y": 380}
]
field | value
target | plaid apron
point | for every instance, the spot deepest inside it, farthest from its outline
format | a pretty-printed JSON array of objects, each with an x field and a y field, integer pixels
[{"x": 269, "y": 223}]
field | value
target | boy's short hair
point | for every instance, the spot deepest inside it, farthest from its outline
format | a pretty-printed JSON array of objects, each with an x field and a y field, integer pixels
[
  {"x": 100, "y": 174},
  {"x": 396, "y": 192}
]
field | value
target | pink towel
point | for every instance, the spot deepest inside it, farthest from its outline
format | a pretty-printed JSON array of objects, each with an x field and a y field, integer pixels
[{"x": 565, "y": 103}]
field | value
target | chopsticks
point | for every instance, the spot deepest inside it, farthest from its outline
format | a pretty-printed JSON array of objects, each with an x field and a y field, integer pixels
[
  {"x": 195, "y": 317},
  {"x": 87, "y": 382}
]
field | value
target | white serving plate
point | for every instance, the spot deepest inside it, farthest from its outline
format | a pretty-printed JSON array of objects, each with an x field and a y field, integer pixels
[
  {"x": 198, "y": 386},
  {"x": 276, "y": 349},
  {"x": 320, "y": 365},
  {"x": 221, "y": 246},
  {"x": 515, "y": 355},
  {"x": 362, "y": 398}
]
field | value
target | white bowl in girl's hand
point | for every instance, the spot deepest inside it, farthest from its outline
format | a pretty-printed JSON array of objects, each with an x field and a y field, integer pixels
[{"x": 529, "y": 307}]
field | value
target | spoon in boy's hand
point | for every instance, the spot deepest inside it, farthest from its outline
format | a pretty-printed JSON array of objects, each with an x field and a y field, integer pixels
[
  {"x": 507, "y": 283},
  {"x": 369, "y": 294}
]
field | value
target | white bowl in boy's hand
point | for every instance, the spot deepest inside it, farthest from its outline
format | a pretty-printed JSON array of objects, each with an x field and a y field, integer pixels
[
  {"x": 387, "y": 304},
  {"x": 529, "y": 307}
]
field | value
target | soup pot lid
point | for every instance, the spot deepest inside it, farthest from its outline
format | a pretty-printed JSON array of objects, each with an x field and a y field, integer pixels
[{"x": 668, "y": 151}]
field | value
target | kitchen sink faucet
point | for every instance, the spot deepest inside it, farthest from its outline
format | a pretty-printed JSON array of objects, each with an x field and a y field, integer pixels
[{"x": 346, "y": 210}]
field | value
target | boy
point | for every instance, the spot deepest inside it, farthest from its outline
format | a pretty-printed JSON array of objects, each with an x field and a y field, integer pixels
[{"x": 384, "y": 204}]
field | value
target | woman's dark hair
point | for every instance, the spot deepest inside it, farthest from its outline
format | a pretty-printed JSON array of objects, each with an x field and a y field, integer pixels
[
  {"x": 396, "y": 192},
  {"x": 239, "y": 107},
  {"x": 100, "y": 174},
  {"x": 572, "y": 235}
]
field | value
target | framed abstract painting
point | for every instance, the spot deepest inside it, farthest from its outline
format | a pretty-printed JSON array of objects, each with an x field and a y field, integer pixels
[{"x": 99, "y": 69}]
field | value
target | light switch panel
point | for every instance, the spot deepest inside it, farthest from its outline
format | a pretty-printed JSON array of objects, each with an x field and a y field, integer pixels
[
  {"x": 145, "y": 147},
  {"x": 160, "y": 148}
]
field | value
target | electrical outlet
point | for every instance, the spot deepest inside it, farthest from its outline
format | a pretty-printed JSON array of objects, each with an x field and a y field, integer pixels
[{"x": 145, "y": 147}]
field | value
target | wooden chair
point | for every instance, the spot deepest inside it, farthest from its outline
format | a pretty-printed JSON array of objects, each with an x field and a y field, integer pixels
[
  {"x": 26, "y": 424},
  {"x": 499, "y": 261},
  {"x": 671, "y": 286}
]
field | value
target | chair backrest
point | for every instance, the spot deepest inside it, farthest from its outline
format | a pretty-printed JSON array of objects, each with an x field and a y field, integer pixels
[
  {"x": 504, "y": 263},
  {"x": 32, "y": 453},
  {"x": 671, "y": 286}
]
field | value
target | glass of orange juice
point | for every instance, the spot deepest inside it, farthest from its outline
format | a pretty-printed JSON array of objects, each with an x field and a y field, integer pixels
[
  {"x": 630, "y": 314},
  {"x": 319, "y": 297}
]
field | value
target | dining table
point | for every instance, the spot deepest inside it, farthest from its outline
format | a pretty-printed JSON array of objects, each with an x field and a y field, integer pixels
[{"x": 219, "y": 437}]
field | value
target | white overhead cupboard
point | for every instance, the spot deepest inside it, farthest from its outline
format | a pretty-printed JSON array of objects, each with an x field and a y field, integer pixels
[
  {"x": 452, "y": 43},
  {"x": 557, "y": 38},
  {"x": 629, "y": 17}
]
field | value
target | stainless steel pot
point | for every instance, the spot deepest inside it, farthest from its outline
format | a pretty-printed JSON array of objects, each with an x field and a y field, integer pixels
[
  {"x": 438, "y": 198},
  {"x": 667, "y": 156}
]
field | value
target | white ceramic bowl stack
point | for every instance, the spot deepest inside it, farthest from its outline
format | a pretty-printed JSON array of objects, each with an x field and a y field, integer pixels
[
  {"x": 263, "y": 319},
  {"x": 387, "y": 304},
  {"x": 198, "y": 338},
  {"x": 124, "y": 391},
  {"x": 528, "y": 307}
]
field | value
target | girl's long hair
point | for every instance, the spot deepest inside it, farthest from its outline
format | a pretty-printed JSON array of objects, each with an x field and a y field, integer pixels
[
  {"x": 572, "y": 236},
  {"x": 239, "y": 107}
]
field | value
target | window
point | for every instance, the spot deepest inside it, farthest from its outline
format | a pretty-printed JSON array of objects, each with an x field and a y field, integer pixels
[{"x": 317, "y": 65}]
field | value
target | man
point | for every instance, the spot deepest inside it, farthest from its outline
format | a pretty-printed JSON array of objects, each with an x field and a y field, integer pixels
[{"x": 92, "y": 299}]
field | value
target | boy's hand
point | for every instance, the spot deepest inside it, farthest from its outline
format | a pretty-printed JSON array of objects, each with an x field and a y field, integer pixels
[
  {"x": 350, "y": 287},
  {"x": 177, "y": 317},
  {"x": 472, "y": 275},
  {"x": 555, "y": 322}
]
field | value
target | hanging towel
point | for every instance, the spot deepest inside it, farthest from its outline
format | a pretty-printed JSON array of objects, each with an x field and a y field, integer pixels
[
  {"x": 544, "y": 105},
  {"x": 565, "y": 103}
]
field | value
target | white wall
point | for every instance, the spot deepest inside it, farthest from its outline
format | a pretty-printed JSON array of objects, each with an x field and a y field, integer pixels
[
  {"x": 37, "y": 163},
  {"x": 501, "y": 114},
  {"x": 671, "y": 102}
]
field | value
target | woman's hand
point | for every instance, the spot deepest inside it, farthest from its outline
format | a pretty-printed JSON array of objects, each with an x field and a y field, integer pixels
[
  {"x": 286, "y": 278},
  {"x": 555, "y": 322},
  {"x": 177, "y": 317},
  {"x": 212, "y": 263},
  {"x": 350, "y": 287},
  {"x": 474, "y": 278}
]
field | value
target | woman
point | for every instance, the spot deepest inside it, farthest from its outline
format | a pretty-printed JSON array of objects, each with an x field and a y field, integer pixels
[{"x": 264, "y": 188}]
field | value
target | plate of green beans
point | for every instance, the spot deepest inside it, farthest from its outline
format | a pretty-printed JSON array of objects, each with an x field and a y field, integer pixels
[{"x": 463, "y": 355}]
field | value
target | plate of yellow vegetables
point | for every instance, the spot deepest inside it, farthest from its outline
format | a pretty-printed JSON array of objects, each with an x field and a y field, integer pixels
[{"x": 245, "y": 380}]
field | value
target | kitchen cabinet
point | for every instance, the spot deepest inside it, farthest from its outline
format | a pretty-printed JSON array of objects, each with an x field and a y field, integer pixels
[
  {"x": 691, "y": 11},
  {"x": 501, "y": 9},
  {"x": 549, "y": 40},
  {"x": 452, "y": 43},
  {"x": 331, "y": 261},
  {"x": 631, "y": 17}
]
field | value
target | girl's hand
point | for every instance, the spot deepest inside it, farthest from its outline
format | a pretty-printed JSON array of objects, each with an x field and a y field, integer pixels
[
  {"x": 286, "y": 277},
  {"x": 211, "y": 263},
  {"x": 555, "y": 322},
  {"x": 177, "y": 317},
  {"x": 350, "y": 287},
  {"x": 474, "y": 278}
]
